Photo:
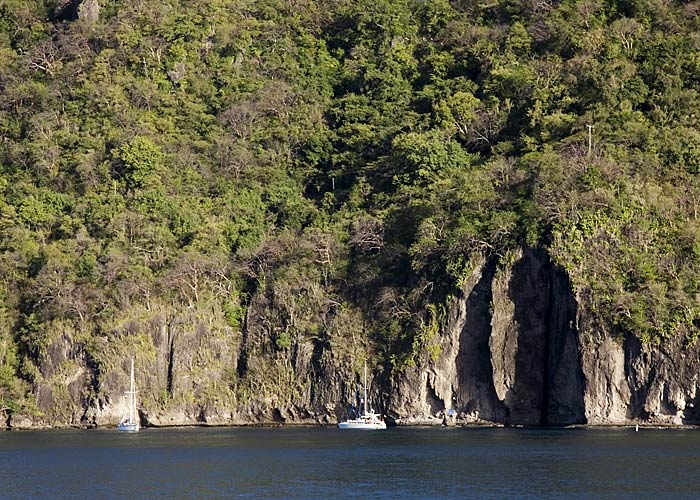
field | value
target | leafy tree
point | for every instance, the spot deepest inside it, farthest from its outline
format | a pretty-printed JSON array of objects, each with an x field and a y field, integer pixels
[{"x": 142, "y": 160}]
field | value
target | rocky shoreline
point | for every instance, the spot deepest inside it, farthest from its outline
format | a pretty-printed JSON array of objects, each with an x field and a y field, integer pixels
[
  {"x": 595, "y": 427},
  {"x": 518, "y": 348}
]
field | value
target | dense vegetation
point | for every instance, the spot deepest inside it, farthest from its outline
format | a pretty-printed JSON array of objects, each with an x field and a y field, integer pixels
[{"x": 342, "y": 161}]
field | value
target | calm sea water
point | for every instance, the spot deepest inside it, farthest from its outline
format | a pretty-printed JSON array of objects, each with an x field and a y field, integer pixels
[{"x": 308, "y": 463}]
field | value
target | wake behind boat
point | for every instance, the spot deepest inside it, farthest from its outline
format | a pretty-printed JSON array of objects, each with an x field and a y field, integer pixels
[
  {"x": 368, "y": 420},
  {"x": 129, "y": 423}
]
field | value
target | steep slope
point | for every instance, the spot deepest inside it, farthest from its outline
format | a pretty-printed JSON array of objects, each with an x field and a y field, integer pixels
[{"x": 495, "y": 205}]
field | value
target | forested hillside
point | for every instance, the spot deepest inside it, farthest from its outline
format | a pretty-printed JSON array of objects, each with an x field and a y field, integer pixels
[{"x": 255, "y": 182}]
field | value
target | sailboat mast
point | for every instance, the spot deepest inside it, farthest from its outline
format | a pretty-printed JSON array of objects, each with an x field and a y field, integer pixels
[
  {"x": 365, "y": 388},
  {"x": 131, "y": 394}
]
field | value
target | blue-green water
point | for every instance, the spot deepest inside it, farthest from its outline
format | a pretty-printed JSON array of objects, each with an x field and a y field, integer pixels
[{"x": 405, "y": 463}]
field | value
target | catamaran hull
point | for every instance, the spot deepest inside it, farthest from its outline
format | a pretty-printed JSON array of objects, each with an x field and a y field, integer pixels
[{"x": 369, "y": 421}]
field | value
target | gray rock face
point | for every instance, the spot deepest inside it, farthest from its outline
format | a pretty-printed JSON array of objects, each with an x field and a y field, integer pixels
[
  {"x": 546, "y": 381},
  {"x": 517, "y": 348},
  {"x": 632, "y": 382},
  {"x": 510, "y": 351}
]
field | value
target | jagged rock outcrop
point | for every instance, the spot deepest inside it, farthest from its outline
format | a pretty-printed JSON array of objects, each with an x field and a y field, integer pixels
[
  {"x": 461, "y": 379},
  {"x": 629, "y": 381},
  {"x": 191, "y": 370},
  {"x": 517, "y": 348},
  {"x": 509, "y": 351}
]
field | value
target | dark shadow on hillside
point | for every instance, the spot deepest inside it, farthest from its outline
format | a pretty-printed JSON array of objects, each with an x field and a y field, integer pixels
[{"x": 548, "y": 384}]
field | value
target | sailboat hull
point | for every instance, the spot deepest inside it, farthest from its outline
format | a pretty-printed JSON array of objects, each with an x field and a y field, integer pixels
[
  {"x": 128, "y": 427},
  {"x": 130, "y": 423}
]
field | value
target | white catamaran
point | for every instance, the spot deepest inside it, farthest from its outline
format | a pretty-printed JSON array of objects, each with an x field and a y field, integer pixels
[
  {"x": 368, "y": 420},
  {"x": 130, "y": 423}
]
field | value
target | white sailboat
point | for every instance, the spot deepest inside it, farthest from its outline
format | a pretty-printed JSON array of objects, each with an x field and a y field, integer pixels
[
  {"x": 368, "y": 420},
  {"x": 130, "y": 423}
]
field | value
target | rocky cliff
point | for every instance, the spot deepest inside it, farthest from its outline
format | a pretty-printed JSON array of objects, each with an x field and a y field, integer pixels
[
  {"x": 510, "y": 351},
  {"x": 518, "y": 348}
]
